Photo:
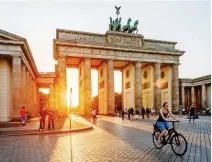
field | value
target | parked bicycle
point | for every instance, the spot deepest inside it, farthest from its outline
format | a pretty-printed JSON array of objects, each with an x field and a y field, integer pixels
[{"x": 177, "y": 140}]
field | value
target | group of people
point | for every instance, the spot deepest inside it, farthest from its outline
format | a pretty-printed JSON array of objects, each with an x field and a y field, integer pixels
[
  {"x": 130, "y": 113},
  {"x": 44, "y": 115}
]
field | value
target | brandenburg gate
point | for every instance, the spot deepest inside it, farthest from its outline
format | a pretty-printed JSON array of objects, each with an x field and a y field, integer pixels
[{"x": 149, "y": 69}]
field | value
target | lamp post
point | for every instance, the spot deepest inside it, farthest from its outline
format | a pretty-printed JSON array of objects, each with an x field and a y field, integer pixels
[{"x": 70, "y": 106}]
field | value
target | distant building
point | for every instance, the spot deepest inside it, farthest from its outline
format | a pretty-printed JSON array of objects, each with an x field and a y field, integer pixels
[{"x": 196, "y": 91}]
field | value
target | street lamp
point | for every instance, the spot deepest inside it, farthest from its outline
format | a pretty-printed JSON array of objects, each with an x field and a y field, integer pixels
[{"x": 70, "y": 106}]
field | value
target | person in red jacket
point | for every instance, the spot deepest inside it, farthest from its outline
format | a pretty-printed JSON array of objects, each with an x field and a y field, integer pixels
[{"x": 23, "y": 115}]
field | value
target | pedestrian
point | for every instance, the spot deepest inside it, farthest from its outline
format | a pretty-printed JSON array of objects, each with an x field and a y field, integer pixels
[
  {"x": 23, "y": 115},
  {"x": 43, "y": 115},
  {"x": 131, "y": 113},
  {"x": 153, "y": 112},
  {"x": 143, "y": 112},
  {"x": 136, "y": 114},
  {"x": 51, "y": 119},
  {"x": 192, "y": 113},
  {"x": 122, "y": 114},
  {"x": 128, "y": 113},
  {"x": 147, "y": 112},
  {"x": 93, "y": 113},
  {"x": 180, "y": 111}
]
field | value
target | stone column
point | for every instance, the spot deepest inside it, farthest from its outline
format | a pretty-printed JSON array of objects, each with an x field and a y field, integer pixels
[
  {"x": 175, "y": 88},
  {"x": 57, "y": 88},
  {"x": 62, "y": 84},
  {"x": 16, "y": 72},
  {"x": 157, "y": 89},
  {"x": 27, "y": 91},
  {"x": 110, "y": 88},
  {"x": 183, "y": 96},
  {"x": 23, "y": 85},
  {"x": 87, "y": 87},
  {"x": 51, "y": 97},
  {"x": 138, "y": 88},
  {"x": 193, "y": 96},
  {"x": 203, "y": 96}
]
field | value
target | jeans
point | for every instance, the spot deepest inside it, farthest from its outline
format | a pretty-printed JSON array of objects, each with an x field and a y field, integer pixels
[
  {"x": 42, "y": 123},
  {"x": 190, "y": 117},
  {"x": 51, "y": 124}
]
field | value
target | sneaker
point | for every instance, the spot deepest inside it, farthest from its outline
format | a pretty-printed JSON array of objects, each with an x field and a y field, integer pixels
[
  {"x": 43, "y": 129},
  {"x": 40, "y": 129}
]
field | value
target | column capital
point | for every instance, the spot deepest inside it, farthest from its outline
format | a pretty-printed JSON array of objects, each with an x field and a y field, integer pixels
[
  {"x": 109, "y": 60},
  {"x": 86, "y": 58},
  {"x": 138, "y": 64},
  {"x": 157, "y": 64}
]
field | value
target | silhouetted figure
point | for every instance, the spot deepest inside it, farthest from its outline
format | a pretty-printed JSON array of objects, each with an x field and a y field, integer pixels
[
  {"x": 192, "y": 113},
  {"x": 122, "y": 114},
  {"x": 51, "y": 119},
  {"x": 43, "y": 115},
  {"x": 147, "y": 112},
  {"x": 143, "y": 112},
  {"x": 128, "y": 113},
  {"x": 131, "y": 113}
]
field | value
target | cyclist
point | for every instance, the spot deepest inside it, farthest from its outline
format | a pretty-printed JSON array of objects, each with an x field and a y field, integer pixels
[{"x": 162, "y": 122}]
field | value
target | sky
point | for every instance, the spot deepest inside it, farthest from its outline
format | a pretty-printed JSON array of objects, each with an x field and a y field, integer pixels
[{"x": 186, "y": 22}]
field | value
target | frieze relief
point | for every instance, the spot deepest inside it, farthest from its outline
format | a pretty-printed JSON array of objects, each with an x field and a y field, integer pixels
[{"x": 123, "y": 40}]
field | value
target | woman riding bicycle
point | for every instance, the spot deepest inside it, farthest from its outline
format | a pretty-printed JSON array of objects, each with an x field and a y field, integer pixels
[{"x": 162, "y": 122}]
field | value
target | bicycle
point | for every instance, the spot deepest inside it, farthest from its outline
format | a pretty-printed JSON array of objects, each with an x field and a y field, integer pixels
[{"x": 172, "y": 137}]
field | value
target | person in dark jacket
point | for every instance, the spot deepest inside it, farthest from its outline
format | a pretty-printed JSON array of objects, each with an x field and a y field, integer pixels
[
  {"x": 131, "y": 113},
  {"x": 122, "y": 114},
  {"x": 147, "y": 112},
  {"x": 51, "y": 119},
  {"x": 192, "y": 113},
  {"x": 128, "y": 113},
  {"x": 43, "y": 115},
  {"x": 143, "y": 112}
]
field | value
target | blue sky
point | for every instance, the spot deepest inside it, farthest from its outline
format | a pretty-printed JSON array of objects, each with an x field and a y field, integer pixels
[{"x": 187, "y": 23}]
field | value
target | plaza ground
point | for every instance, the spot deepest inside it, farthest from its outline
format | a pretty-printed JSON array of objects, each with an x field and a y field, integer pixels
[{"x": 111, "y": 140}]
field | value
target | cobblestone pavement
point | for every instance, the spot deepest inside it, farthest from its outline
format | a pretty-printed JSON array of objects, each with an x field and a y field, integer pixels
[{"x": 111, "y": 140}]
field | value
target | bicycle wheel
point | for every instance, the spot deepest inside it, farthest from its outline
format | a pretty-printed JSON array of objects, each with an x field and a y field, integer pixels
[
  {"x": 155, "y": 136},
  {"x": 179, "y": 144}
]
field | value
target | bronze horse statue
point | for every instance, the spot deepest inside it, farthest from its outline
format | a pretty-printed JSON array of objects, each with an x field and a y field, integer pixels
[
  {"x": 134, "y": 27},
  {"x": 127, "y": 27}
]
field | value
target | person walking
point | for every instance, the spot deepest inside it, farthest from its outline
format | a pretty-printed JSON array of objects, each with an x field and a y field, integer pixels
[
  {"x": 153, "y": 112},
  {"x": 43, "y": 115},
  {"x": 136, "y": 114},
  {"x": 131, "y": 113},
  {"x": 122, "y": 114},
  {"x": 128, "y": 113},
  {"x": 180, "y": 111},
  {"x": 93, "y": 113},
  {"x": 23, "y": 115},
  {"x": 192, "y": 113},
  {"x": 51, "y": 119},
  {"x": 143, "y": 112},
  {"x": 147, "y": 112}
]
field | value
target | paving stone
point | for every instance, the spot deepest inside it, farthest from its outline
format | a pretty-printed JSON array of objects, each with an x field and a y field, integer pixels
[{"x": 111, "y": 140}]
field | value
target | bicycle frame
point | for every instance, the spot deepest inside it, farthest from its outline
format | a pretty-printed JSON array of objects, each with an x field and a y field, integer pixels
[{"x": 168, "y": 136}]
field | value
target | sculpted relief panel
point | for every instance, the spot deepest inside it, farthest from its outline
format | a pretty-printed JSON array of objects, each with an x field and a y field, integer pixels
[{"x": 123, "y": 40}]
